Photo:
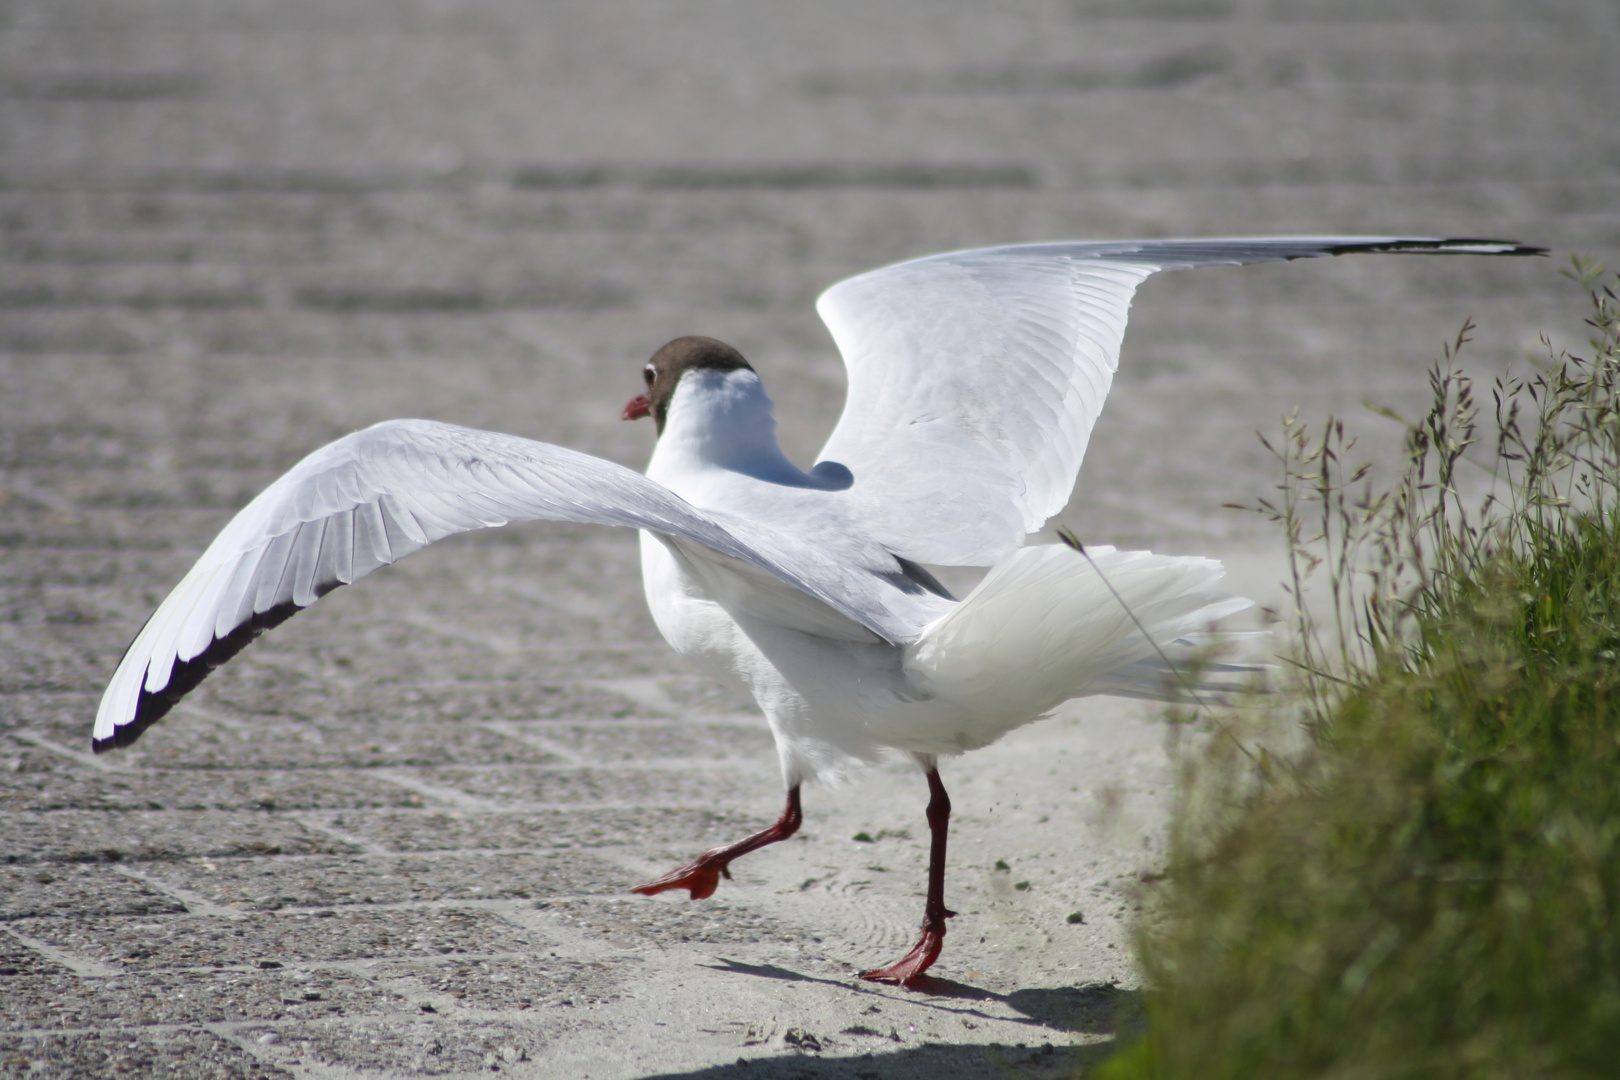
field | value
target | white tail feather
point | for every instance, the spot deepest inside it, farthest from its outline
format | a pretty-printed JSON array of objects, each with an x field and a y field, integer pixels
[{"x": 1045, "y": 626}]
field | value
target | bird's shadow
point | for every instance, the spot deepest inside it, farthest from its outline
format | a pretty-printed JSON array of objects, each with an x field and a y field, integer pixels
[
  {"x": 1093, "y": 1009},
  {"x": 768, "y": 971},
  {"x": 929, "y": 1061}
]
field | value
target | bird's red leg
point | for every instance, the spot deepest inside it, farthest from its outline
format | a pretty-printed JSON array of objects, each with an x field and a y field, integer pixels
[
  {"x": 923, "y": 954},
  {"x": 702, "y": 876}
]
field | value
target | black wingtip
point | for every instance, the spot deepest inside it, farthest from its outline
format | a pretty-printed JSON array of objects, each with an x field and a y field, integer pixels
[
  {"x": 121, "y": 736},
  {"x": 187, "y": 674},
  {"x": 1449, "y": 246}
]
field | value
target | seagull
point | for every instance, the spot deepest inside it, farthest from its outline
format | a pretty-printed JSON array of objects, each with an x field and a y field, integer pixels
[{"x": 975, "y": 378}]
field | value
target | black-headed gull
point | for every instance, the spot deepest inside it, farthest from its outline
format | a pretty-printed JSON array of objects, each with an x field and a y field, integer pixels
[{"x": 974, "y": 380}]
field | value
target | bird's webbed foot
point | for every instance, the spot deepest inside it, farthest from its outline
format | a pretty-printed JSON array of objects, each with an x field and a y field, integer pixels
[
  {"x": 699, "y": 878},
  {"x": 910, "y": 967}
]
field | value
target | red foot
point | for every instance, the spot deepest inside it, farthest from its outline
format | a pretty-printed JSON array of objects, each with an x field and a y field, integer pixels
[
  {"x": 700, "y": 879},
  {"x": 921, "y": 957}
]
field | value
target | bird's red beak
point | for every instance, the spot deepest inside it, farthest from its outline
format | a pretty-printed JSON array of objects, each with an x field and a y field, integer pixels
[{"x": 636, "y": 408}]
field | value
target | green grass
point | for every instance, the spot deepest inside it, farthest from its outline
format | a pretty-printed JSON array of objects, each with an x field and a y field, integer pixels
[{"x": 1432, "y": 888}]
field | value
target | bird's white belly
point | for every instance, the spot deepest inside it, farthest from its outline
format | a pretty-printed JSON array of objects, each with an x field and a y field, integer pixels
[{"x": 832, "y": 705}]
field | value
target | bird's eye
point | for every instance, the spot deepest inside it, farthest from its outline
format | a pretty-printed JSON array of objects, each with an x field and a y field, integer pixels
[{"x": 649, "y": 373}]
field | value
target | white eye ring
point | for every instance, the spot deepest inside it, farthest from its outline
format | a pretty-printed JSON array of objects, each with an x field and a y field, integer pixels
[{"x": 649, "y": 373}]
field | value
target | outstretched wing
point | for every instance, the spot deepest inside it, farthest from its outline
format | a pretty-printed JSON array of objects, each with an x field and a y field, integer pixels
[
  {"x": 374, "y": 497},
  {"x": 975, "y": 376}
]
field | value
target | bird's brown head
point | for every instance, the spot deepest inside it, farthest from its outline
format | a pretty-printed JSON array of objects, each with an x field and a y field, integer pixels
[{"x": 663, "y": 372}]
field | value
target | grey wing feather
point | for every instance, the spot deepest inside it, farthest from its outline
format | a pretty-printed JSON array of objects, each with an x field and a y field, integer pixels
[
  {"x": 380, "y": 494},
  {"x": 975, "y": 377}
]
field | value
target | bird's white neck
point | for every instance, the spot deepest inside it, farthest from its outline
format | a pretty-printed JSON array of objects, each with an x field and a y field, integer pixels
[{"x": 720, "y": 421}]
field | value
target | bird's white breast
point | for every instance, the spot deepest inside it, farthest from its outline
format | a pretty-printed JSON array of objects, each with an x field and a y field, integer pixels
[{"x": 694, "y": 624}]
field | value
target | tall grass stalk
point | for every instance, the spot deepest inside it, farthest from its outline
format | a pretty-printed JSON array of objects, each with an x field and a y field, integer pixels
[{"x": 1433, "y": 887}]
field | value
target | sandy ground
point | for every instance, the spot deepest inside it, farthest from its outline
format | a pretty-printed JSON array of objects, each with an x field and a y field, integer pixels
[{"x": 394, "y": 838}]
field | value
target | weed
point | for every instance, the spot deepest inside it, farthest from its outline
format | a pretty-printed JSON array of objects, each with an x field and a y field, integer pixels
[{"x": 1432, "y": 888}]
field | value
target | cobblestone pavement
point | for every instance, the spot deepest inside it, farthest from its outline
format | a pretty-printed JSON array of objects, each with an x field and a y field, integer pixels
[{"x": 394, "y": 837}]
